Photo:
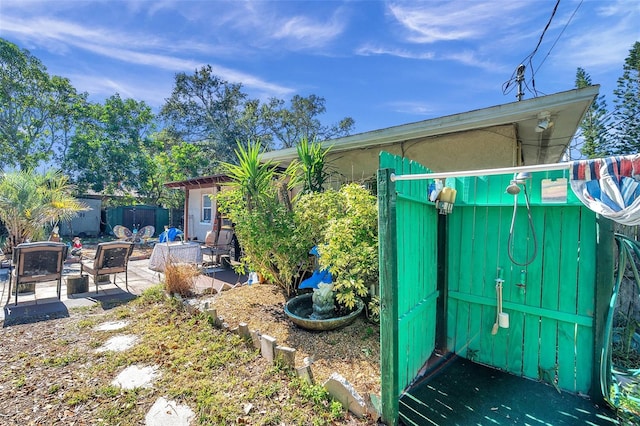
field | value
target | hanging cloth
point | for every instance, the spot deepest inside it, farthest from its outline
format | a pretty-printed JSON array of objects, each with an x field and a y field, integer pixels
[{"x": 609, "y": 186}]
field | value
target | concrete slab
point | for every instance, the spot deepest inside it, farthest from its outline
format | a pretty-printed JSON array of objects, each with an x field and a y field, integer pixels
[
  {"x": 165, "y": 412},
  {"x": 135, "y": 376},
  {"x": 44, "y": 304},
  {"x": 118, "y": 343},
  {"x": 112, "y": 325}
]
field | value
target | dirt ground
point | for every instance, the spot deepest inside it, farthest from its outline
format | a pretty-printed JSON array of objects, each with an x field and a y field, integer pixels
[
  {"x": 27, "y": 392},
  {"x": 352, "y": 351}
]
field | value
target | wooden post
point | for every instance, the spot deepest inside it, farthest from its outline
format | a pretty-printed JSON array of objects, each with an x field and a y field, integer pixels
[
  {"x": 605, "y": 265},
  {"x": 185, "y": 214},
  {"x": 387, "y": 242},
  {"x": 443, "y": 288}
]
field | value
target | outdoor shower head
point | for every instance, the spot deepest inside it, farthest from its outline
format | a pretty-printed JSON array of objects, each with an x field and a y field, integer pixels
[
  {"x": 518, "y": 179},
  {"x": 513, "y": 188}
]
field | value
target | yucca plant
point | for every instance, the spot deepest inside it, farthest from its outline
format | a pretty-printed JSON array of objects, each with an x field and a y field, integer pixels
[
  {"x": 310, "y": 169},
  {"x": 251, "y": 176}
]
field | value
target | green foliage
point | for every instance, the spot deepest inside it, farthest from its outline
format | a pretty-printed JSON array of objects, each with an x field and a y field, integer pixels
[
  {"x": 350, "y": 248},
  {"x": 276, "y": 240},
  {"x": 594, "y": 124},
  {"x": 268, "y": 237},
  {"x": 616, "y": 132},
  {"x": 251, "y": 176},
  {"x": 310, "y": 169},
  {"x": 206, "y": 110},
  {"x": 151, "y": 296},
  {"x": 36, "y": 109},
  {"x": 31, "y": 202},
  {"x": 300, "y": 121},
  {"x": 627, "y": 112},
  {"x": 112, "y": 149},
  {"x": 61, "y": 360}
]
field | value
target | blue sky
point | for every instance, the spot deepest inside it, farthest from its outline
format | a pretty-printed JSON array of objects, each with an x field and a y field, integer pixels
[{"x": 384, "y": 63}]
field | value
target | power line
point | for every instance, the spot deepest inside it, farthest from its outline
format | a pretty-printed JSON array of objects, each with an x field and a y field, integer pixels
[
  {"x": 559, "y": 35},
  {"x": 508, "y": 86}
]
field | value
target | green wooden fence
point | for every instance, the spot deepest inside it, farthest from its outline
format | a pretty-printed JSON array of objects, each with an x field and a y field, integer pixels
[{"x": 555, "y": 324}]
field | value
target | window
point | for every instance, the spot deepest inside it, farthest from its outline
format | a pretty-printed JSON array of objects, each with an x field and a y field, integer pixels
[{"x": 206, "y": 209}]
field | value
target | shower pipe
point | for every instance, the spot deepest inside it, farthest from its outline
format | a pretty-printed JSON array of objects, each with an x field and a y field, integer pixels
[{"x": 484, "y": 172}]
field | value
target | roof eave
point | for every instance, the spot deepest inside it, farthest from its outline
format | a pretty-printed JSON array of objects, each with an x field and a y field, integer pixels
[{"x": 476, "y": 119}]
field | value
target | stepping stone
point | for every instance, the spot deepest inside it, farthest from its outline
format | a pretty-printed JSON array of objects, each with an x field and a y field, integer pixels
[
  {"x": 118, "y": 343},
  {"x": 112, "y": 325},
  {"x": 164, "y": 412},
  {"x": 136, "y": 377}
]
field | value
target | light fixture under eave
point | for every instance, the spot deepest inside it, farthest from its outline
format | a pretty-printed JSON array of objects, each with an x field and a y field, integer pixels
[{"x": 544, "y": 121}]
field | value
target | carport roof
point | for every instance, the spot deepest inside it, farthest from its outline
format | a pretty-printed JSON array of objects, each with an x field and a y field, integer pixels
[{"x": 199, "y": 182}]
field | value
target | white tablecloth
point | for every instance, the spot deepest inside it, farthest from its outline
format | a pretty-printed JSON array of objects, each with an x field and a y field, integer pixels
[{"x": 177, "y": 252}]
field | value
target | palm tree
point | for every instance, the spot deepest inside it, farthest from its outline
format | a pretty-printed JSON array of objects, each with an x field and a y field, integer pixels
[{"x": 32, "y": 202}]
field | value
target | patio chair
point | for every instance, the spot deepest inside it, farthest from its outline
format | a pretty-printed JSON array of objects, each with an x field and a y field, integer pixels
[
  {"x": 37, "y": 262},
  {"x": 221, "y": 247},
  {"x": 111, "y": 258}
]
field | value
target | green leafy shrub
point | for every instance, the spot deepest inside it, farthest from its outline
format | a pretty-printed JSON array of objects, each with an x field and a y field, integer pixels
[
  {"x": 276, "y": 235},
  {"x": 350, "y": 247},
  {"x": 264, "y": 221}
]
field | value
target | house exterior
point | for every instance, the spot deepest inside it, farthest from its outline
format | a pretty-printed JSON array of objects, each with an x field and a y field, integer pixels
[
  {"x": 532, "y": 131},
  {"x": 200, "y": 209}
]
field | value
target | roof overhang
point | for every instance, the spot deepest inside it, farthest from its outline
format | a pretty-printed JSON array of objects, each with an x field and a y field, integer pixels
[
  {"x": 565, "y": 110},
  {"x": 199, "y": 182}
]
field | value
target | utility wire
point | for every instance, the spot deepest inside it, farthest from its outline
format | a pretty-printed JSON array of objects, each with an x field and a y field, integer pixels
[
  {"x": 559, "y": 35},
  {"x": 507, "y": 87}
]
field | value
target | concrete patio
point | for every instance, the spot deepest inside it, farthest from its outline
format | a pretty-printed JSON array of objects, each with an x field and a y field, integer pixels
[{"x": 44, "y": 303}]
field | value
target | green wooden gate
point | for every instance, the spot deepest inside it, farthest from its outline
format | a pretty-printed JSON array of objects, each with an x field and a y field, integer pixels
[
  {"x": 556, "y": 304},
  {"x": 408, "y": 260}
]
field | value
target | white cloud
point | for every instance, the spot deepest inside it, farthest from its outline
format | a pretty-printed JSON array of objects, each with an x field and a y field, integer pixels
[
  {"x": 602, "y": 43},
  {"x": 307, "y": 33},
  {"x": 61, "y": 36},
  {"x": 430, "y": 22},
  {"x": 411, "y": 107},
  {"x": 369, "y": 50}
]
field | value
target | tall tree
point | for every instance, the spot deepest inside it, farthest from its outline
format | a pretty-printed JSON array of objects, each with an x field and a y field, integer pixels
[
  {"x": 627, "y": 101},
  {"x": 215, "y": 114},
  {"x": 32, "y": 108},
  {"x": 111, "y": 150},
  {"x": 206, "y": 110},
  {"x": 593, "y": 126},
  {"x": 291, "y": 125}
]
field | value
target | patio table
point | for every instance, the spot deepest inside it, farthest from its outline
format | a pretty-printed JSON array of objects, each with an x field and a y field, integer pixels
[{"x": 177, "y": 252}]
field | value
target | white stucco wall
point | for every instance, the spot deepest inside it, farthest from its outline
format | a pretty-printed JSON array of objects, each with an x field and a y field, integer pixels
[{"x": 197, "y": 228}]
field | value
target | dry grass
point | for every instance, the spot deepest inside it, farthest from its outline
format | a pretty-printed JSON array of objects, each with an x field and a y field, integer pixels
[
  {"x": 180, "y": 278},
  {"x": 52, "y": 373}
]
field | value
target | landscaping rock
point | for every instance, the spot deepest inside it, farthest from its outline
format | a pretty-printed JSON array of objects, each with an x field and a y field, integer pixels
[
  {"x": 255, "y": 338},
  {"x": 286, "y": 355},
  {"x": 243, "y": 331},
  {"x": 305, "y": 374}
]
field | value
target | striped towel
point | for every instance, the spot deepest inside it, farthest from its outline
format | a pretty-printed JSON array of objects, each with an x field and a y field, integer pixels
[{"x": 609, "y": 186}]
